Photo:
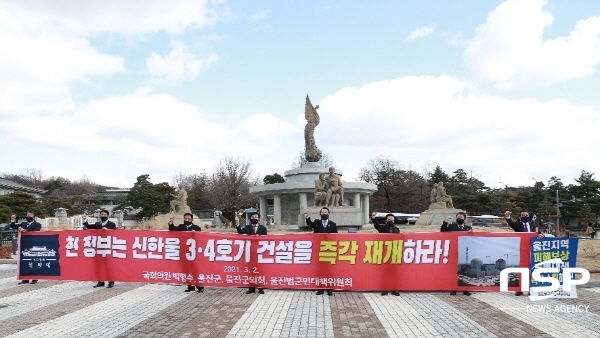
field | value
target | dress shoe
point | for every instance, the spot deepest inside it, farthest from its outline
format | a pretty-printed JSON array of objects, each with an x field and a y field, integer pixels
[
  {"x": 261, "y": 292},
  {"x": 99, "y": 284},
  {"x": 466, "y": 293},
  {"x": 329, "y": 293},
  {"x": 518, "y": 293},
  {"x": 395, "y": 293},
  {"x": 34, "y": 281},
  {"x": 110, "y": 285},
  {"x": 320, "y": 292},
  {"x": 251, "y": 290},
  {"x": 453, "y": 293},
  {"x": 384, "y": 293},
  {"x": 23, "y": 282},
  {"x": 200, "y": 288},
  {"x": 189, "y": 289}
]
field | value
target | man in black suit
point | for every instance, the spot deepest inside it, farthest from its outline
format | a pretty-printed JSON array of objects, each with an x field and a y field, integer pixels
[
  {"x": 103, "y": 224},
  {"x": 252, "y": 229},
  {"x": 322, "y": 226},
  {"x": 388, "y": 228},
  {"x": 522, "y": 225},
  {"x": 459, "y": 225},
  {"x": 29, "y": 225},
  {"x": 187, "y": 225}
]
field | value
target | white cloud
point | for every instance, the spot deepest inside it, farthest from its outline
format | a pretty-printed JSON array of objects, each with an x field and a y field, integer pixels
[
  {"x": 420, "y": 32},
  {"x": 39, "y": 65},
  {"x": 413, "y": 119},
  {"x": 155, "y": 133},
  {"x": 509, "y": 48},
  {"x": 124, "y": 17},
  {"x": 457, "y": 39},
  {"x": 449, "y": 121},
  {"x": 47, "y": 46},
  {"x": 260, "y": 15},
  {"x": 180, "y": 64}
]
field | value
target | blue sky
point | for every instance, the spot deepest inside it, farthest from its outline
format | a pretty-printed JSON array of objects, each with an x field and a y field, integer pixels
[
  {"x": 495, "y": 247},
  {"x": 115, "y": 89}
]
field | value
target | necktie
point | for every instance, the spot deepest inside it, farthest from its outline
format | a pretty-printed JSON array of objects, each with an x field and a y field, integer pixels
[
  {"x": 254, "y": 230},
  {"x": 460, "y": 227},
  {"x": 526, "y": 227}
]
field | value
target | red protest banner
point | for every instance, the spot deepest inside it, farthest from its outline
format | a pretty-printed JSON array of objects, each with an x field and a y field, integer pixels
[{"x": 406, "y": 261}]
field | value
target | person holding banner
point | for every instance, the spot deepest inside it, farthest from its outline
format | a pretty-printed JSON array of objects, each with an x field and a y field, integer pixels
[
  {"x": 252, "y": 229},
  {"x": 29, "y": 225},
  {"x": 522, "y": 225},
  {"x": 388, "y": 228},
  {"x": 187, "y": 225},
  {"x": 459, "y": 225},
  {"x": 103, "y": 224},
  {"x": 322, "y": 226}
]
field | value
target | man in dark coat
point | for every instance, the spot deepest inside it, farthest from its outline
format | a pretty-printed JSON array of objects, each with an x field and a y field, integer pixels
[
  {"x": 29, "y": 225},
  {"x": 322, "y": 226},
  {"x": 388, "y": 228},
  {"x": 103, "y": 224},
  {"x": 187, "y": 225},
  {"x": 522, "y": 225},
  {"x": 459, "y": 225},
  {"x": 252, "y": 229}
]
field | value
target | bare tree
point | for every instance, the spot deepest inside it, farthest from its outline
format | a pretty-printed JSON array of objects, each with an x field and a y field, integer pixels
[
  {"x": 196, "y": 186},
  {"x": 428, "y": 168},
  {"x": 381, "y": 171},
  {"x": 29, "y": 177},
  {"x": 326, "y": 160},
  {"x": 229, "y": 186},
  {"x": 398, "y": 189}
]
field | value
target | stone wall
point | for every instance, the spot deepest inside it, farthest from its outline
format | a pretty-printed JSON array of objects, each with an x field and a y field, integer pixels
[{"x": 290, "y": 207}]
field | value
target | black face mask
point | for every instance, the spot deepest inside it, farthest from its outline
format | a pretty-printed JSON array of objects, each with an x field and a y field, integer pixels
[
  {"x": 253, "y": 221},
  {"x": 324, "y": 217},
  {"x": 29, "y": 219},
  {"x": 390, "y": 223},
  {"x": 187, "y": 223},
  {"x": 524, "y": 219},
  {"x": 103, "y": 219},
  {"x": 460, "y": 221}
]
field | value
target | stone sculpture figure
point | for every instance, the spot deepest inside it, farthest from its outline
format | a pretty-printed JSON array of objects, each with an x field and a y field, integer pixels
[
  {"x": 433, "y": 194},
  {"x": 441, "y": 196},
  {"x": 179, "y": 204},
  {"x": 311, "y": 152},
  {"x": 321, "y": 190},
  {"x": 335, "y": 190}
]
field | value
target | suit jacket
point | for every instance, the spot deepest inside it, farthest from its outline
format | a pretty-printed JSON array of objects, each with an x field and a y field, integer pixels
[
  {"x": 518, "y": 226},
  {"x": 454, "y": 227},
  {"x": 261, "y": 230},
  {"x": 34, "y": 226},
  {"x": 384, "y": 228},
  {"x": 318, "y": 228},
  {"x": 183, "y": 227},
  {"x": 98, "y": 225}
]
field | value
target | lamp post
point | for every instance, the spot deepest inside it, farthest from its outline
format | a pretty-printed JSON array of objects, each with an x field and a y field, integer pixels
[
  {"x": 557, "y": 213},
  {"x": 505, "y": 194},
  {"x": 537, "y": 193}
]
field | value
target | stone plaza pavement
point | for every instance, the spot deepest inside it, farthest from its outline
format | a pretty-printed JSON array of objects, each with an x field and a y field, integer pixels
[{"x": 75, "y": 309}]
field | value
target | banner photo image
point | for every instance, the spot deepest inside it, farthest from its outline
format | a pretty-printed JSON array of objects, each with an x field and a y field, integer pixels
[
  {"x": 406, "y": 261},
  {"x": 481, "y": 259}
]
